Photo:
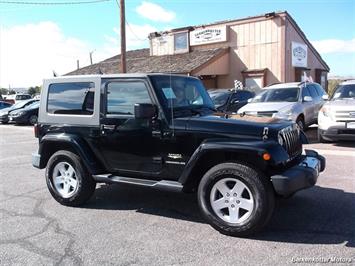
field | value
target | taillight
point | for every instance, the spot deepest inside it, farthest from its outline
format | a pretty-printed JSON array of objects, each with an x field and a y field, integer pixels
[{"x": 36, "y": 130}]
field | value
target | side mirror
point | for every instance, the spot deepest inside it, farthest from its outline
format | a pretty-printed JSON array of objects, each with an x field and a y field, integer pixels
[
  {"x": 235, "y": 101},
  {"x": 307, "y": 99},
  {"x": 144, "y": 111},
  {"x": 325, "y": 97}
]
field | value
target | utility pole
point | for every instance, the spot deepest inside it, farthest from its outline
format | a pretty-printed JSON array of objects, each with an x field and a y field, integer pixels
[
  {"x": 123, "y": 37},
  {"x": 77, "y": 64},
  {"x": 91, "y": 56}
]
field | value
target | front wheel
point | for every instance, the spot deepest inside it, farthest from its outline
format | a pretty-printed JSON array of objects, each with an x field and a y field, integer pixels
[
  {"x": 33, "y": 119},
  {"x": 68, "y": 180},
  {"x": 236, "y": 199}
]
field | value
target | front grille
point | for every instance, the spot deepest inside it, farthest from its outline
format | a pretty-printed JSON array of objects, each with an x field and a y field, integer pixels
[
  {"x": 266, "y": 113},
  {"x": 291, "y": 141},
  {"x": 345, "y": 116}
]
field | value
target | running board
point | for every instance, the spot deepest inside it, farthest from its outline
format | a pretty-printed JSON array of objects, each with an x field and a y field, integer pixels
[{"x": 163, "y": 184}]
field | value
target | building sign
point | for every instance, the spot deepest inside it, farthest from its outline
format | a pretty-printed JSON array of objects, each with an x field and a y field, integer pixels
[
  {"x": 299, "y": 55},
  {"x": 208, "y": 35}
]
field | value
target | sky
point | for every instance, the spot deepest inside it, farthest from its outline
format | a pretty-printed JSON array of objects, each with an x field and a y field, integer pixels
[{"x": 36, "y": 40}]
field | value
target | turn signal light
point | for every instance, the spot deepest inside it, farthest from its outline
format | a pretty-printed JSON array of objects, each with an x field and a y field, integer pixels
[{"x": 266, "y": 156}]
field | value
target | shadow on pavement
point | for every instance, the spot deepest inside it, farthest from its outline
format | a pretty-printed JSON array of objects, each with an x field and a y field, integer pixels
[{"x": 315, "y": 216}]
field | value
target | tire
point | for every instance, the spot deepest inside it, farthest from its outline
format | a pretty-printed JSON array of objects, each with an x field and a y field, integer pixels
[
  {"x": 33, "y": 119},
  {"x": 258, "y": 193},
  {"x": 300, "y": 122},
  {"x": 71, "y": 190}
]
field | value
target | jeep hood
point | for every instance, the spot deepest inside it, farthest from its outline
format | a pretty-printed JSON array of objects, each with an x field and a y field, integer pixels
[
  {"x": 234, "y": 125},
  {"x": 265, "y": 106}
]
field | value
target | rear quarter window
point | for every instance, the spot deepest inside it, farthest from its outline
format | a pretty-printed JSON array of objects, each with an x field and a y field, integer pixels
[{"x": 75, "y": 98}]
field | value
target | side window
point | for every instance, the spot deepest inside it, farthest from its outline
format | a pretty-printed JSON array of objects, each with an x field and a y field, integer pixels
[
  {"x": 75, "y": 98},
  {"x": 121, "y": 96},
  {"x": 313, "y": 92},
  {"x": 305, "y": 92},
  {"x": 320, "y": 90}
]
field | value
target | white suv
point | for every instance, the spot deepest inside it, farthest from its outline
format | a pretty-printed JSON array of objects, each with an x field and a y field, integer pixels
[
  {"x": 296, "y": 101},
  {"x": 336, "y": 119}
]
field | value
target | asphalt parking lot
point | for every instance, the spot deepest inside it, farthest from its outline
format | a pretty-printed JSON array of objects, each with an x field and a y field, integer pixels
[{"x": 124, "y": 225}]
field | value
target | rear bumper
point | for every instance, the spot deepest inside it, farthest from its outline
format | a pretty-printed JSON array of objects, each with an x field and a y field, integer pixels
[
  {"x": 301, "y": 176},
  {"x": 36, "y": 160}
]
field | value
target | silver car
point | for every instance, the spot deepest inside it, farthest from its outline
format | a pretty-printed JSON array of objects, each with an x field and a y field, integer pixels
[
  {"x": 297, "y": 101},
  {"x": 336, "y": 119}
]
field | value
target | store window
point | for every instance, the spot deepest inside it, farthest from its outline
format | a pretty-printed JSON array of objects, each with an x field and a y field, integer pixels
[{"x": 181, "y": 42}]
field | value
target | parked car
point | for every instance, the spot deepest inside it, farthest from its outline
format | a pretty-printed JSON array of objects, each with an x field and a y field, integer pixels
[
  {"x": 298, "y": 102},
  {"x": 4, "y": 105},
  {"x": 161, "y": 131},
  {"x": 4, "y": 113},
  {"x": 19, "y": 97},
  {"x": 336, "y": 119},
  {"x": 26, "y": 115},
  {"x": 230, "y": 100},
  {"x": 5, "y": 99}
]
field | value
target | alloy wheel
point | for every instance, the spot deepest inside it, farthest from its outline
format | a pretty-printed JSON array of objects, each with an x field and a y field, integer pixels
[{"x": 232, "y": 200}]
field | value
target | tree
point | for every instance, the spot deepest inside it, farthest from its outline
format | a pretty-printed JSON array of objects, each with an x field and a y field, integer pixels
[
  {"x": 3, "y": 91},
  {"x": 332, "y": 83},
  {"x": 34, "y": 90}
]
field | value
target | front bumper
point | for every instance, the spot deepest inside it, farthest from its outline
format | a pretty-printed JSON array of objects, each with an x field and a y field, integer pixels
[
  {"x": 301, "y": 176},
  {"x": 18, "y": 119},
  {"x": 338, "y": 133}
]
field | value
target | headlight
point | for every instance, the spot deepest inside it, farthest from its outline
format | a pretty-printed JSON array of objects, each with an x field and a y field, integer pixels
[
  {"x": 17, "y": 114},
  {"x": 325, "y": 111},
  {"x": 284, "y": 113}
]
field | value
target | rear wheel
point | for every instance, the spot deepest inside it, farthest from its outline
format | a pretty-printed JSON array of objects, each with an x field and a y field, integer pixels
[
  {"x": 236, "y": 199},
  {"x": 68, "y": 180}
]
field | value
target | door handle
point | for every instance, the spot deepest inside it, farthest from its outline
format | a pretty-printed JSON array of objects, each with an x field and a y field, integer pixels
[{"x": 107, "y": 129}]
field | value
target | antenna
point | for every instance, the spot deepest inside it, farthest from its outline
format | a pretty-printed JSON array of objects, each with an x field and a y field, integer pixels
[{"x": 171, "y": 98}]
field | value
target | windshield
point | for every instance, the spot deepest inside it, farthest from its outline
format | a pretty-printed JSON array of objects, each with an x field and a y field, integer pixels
[
  {"x": 181, "y": 93},
  {"x": 277, "y": 95},
  {"x": 344, "y": 92},
  {"x": 220, "y": 98},
  {"x": 19, "y": 104},
  {"x": 33, "y": 105}
]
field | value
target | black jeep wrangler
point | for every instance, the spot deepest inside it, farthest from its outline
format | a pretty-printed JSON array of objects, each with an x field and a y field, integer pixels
[{"x": 162, "y": 131}]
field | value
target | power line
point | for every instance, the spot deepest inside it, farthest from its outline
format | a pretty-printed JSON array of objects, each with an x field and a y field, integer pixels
[
  {"x": 130, "y": 28},
  {"x": 53, "y": 3}
]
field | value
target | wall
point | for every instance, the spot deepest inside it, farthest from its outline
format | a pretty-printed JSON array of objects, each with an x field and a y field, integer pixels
[
  {"x": 312, "y": 61},
  {"x": 254, "y": 44}
]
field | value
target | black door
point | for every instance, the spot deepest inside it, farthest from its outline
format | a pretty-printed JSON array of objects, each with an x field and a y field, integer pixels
[{"x": 128, "y": 145}]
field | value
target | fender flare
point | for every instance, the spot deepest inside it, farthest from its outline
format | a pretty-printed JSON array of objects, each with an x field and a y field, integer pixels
[
  {"x": 76, "y": 143},
  {"x": 257, "y": 148}
]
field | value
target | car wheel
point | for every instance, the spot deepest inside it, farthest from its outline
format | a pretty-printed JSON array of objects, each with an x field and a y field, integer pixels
[
  {"x": 33, "y": 119},
  {"x": 236, "y": 199},
  {"x": 68, "y": 180},
  {"x": 300, "y": 123}
]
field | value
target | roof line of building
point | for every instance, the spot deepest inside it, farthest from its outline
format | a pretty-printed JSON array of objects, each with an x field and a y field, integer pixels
[{"x": 303, "y": 36}]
